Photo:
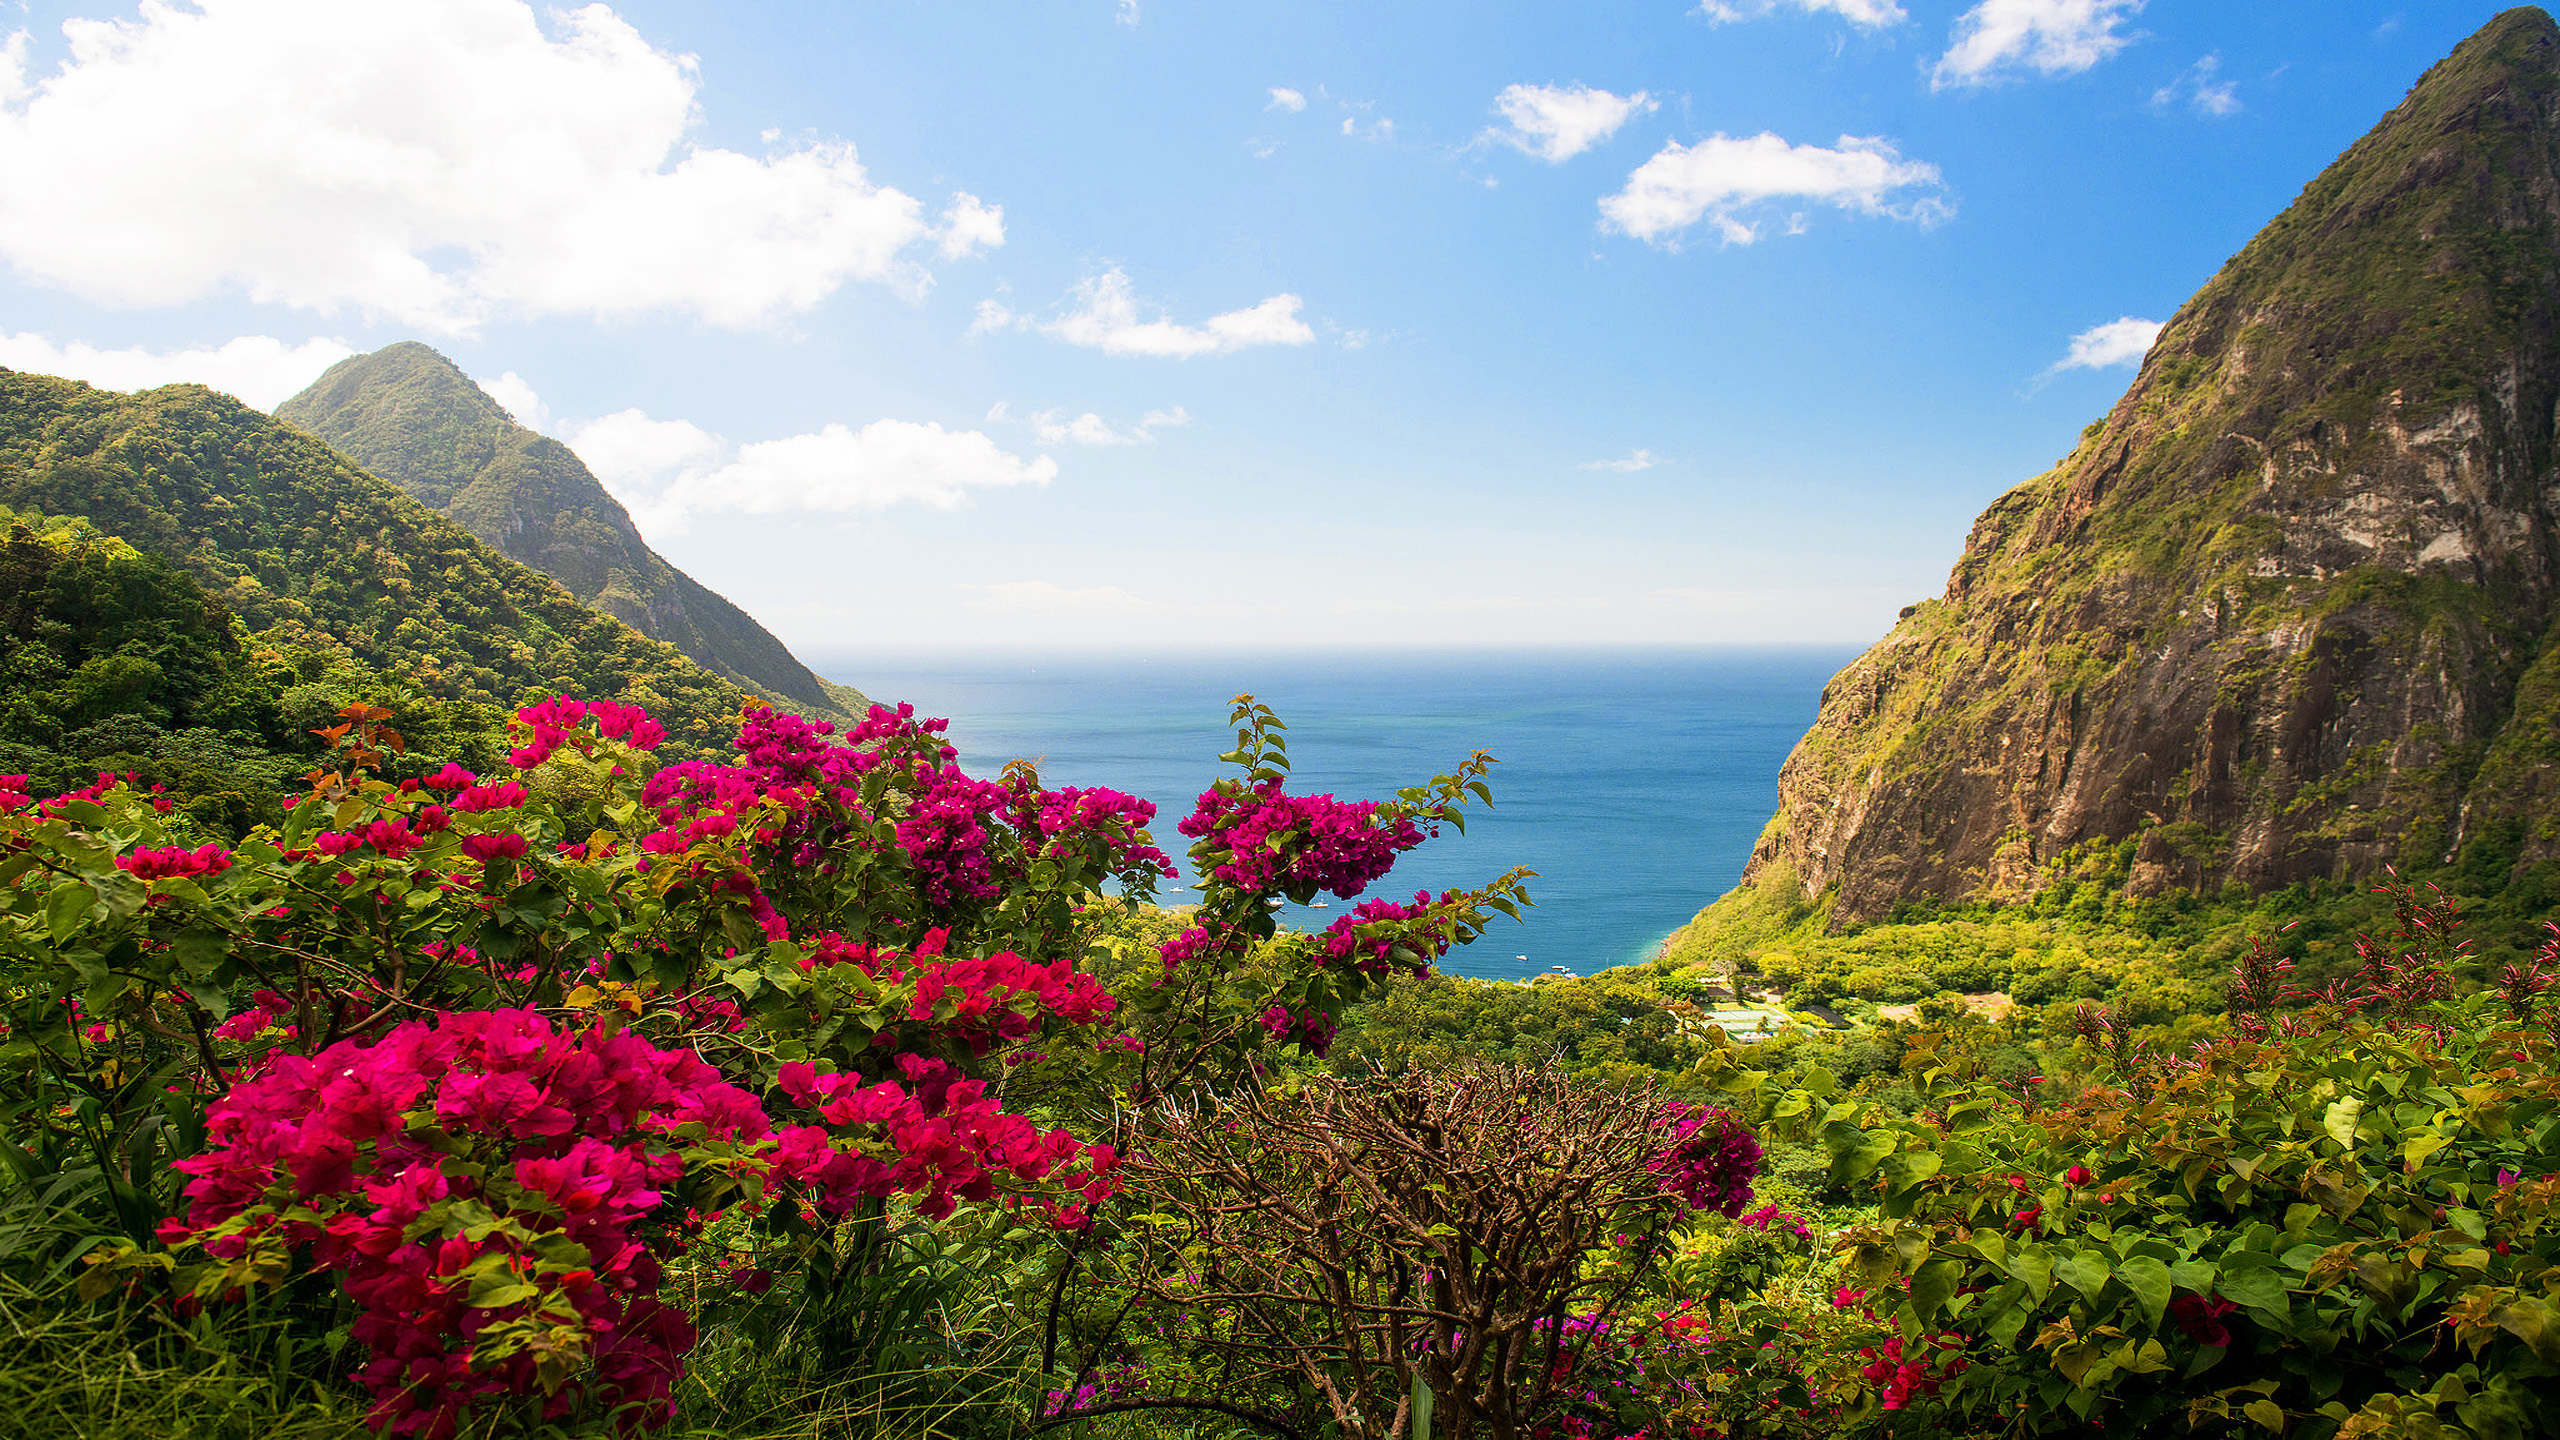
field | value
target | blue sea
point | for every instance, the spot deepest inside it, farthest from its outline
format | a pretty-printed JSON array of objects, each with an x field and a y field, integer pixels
[{"x": 1633, "y": 781}]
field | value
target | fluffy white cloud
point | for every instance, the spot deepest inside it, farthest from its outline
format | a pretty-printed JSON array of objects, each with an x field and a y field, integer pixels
[
  {"x": 992, "y": 316},
  {"x": 885, "y": 463},
  {"x": 1720, "y": 178},
  {"x": 258, "y": 369},
  {"x": 1127, "y": 14},
  {"x": 1104, "y": 316},
  {"x": 968, "y": 226},
  {"x": 1091, "y": 429},
  {"x": 432, "y": 164},
  {"x": 2200, "y": 91},
  {"x": 1997, "y": 38},
  {"x": 1873, "y": 14},
  {"x": 1557, "y": 122},
  {"x": 668, "y": 471},
  {"x": 1638, "y": 460},
  {"x": 636, "y": 456},
  {"x": 2122, "y": 341},
  {"x": 514, "y": 395},
  {"x": 1284, "y": 98}
]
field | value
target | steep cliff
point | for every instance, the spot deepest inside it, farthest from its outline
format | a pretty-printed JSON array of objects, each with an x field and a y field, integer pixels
[
  {"x": 412, "y": 417},
  {"x": 2287, "y": 611}
]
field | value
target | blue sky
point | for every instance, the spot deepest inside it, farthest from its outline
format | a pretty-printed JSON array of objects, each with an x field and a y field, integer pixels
[{"x": 1161, "y": 323}]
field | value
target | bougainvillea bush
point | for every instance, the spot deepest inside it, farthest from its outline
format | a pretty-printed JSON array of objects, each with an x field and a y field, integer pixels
[{"x": 471, "y": 1058}]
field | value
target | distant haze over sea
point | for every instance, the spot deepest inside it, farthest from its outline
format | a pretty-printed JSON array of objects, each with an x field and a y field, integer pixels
[{"x": 1633, "y": 780}]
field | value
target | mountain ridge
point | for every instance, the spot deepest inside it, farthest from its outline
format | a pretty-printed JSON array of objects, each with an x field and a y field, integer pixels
[
  {"x": 2281, "y": 616},
  {"x": 411, "y": 416},
  {"x": 322, "y": 557}
]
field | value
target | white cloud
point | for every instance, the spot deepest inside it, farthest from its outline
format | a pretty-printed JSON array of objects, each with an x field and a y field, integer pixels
[
  {"x": 1557, "y": 122},
  {"x": 1105, "y": 318},
  {"x": 1997, "y": 38},
  {"x": 1720, "y": 178},
  {"x": 1284, "y": 98},
  {"x": 1092, "y": 429},
  {"x": 668, "y": 471},
  {"x": 1638, "y": 460},
  {"x": 432, "y": 164},
  {"x": 257, "y": 369},
  {"x": 1128, "y": 12},
  {"x": 636, "y": 456},
  {"x": 992, "y": 316},
  {"x": 2122, "y": 341},
  {"x": 514, "y": 395},
  {"x": 1042, "y": 595},
  {"x": 1873, "y": 14},
  {"x": 969, "y": 225},
  {"x": 2201, "y": 92}
]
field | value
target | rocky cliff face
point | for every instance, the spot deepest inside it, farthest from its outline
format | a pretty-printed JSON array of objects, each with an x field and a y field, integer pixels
[
  {"x": 412, "y": 417},
  {"x": 2288, "y": 609}
]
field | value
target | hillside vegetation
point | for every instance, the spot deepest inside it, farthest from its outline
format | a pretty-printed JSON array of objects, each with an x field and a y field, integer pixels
[
  {"x": 300, "y": 545},
  {"x": 411, "y": 416}
]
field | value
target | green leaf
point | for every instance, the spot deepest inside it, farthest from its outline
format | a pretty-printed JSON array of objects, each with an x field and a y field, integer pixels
[
  {"x": 2257, "y": 1289},
  {"x": 2339, "y": 1120},
  {"x": 2085, "y": 1272},
  {"x": 2149, "y": 1281},
  {"x": 1735, "y": 1082},
  {"x": 2533, "y": 1322},
  {"x": 1935, "y": 1282},
  {"x": 2415, "y": 1150},
  {"x": 2267, "y": 1413},
  {"x": 66, "y": 907},
  {"x": 499, "y": 1289},
  {"x": 2034, "y": 1269}
]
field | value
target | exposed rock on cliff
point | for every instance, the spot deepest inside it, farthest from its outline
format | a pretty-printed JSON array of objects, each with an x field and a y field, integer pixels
[
  {"x": 2288, "y": 610},
  {"x": 412, "y": 417}
]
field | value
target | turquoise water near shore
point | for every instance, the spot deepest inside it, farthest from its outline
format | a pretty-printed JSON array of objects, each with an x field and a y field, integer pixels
[{"x": 1633, "y": 781}]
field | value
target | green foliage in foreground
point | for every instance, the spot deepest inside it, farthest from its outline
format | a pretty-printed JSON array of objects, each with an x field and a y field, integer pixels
[{"x": 2332, "y": 1221}]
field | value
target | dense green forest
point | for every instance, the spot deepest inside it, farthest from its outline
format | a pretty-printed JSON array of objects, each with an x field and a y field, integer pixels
[{"x": 304, "y": 548}]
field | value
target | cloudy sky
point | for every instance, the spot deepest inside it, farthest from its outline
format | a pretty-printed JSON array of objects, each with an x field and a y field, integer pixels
[{"x": 1203, "y": 322}]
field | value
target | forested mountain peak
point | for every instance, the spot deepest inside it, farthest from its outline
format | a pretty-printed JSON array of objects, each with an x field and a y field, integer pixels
[
  {"x": 318, "y": 557},
  {"x": 2284, "y": 613},
  {"x": 411, "y": 416}
]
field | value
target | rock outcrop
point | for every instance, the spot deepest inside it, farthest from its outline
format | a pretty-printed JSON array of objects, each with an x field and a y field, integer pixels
[
  {"x": 2287, "y": 611},
  {"x": 411, "y": 416}
]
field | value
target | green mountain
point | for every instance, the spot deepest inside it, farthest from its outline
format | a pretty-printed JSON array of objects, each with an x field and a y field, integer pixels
[
  {"x": 325, "y": 562},
  {"x": 412, "y": 417},
  {"x": 2286, "y": 615}
]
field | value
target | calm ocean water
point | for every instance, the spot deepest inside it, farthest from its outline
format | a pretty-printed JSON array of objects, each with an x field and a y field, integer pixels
[{"x": 1634, "y": 782}]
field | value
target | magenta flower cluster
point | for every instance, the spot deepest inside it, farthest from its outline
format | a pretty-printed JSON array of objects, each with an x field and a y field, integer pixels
[
  {"x": 1357, "y": 940},
  {"x": 553, "y": 721},
  {"x": 485, "y": 1174},
  {"x": 1709, "y": 1160},
  {"x": 1274, "y": 841},
  {"x": 174, "y": 863},
  {"x": 492, "y": 1189},
  {"x": 1310, "y": 1029}
]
